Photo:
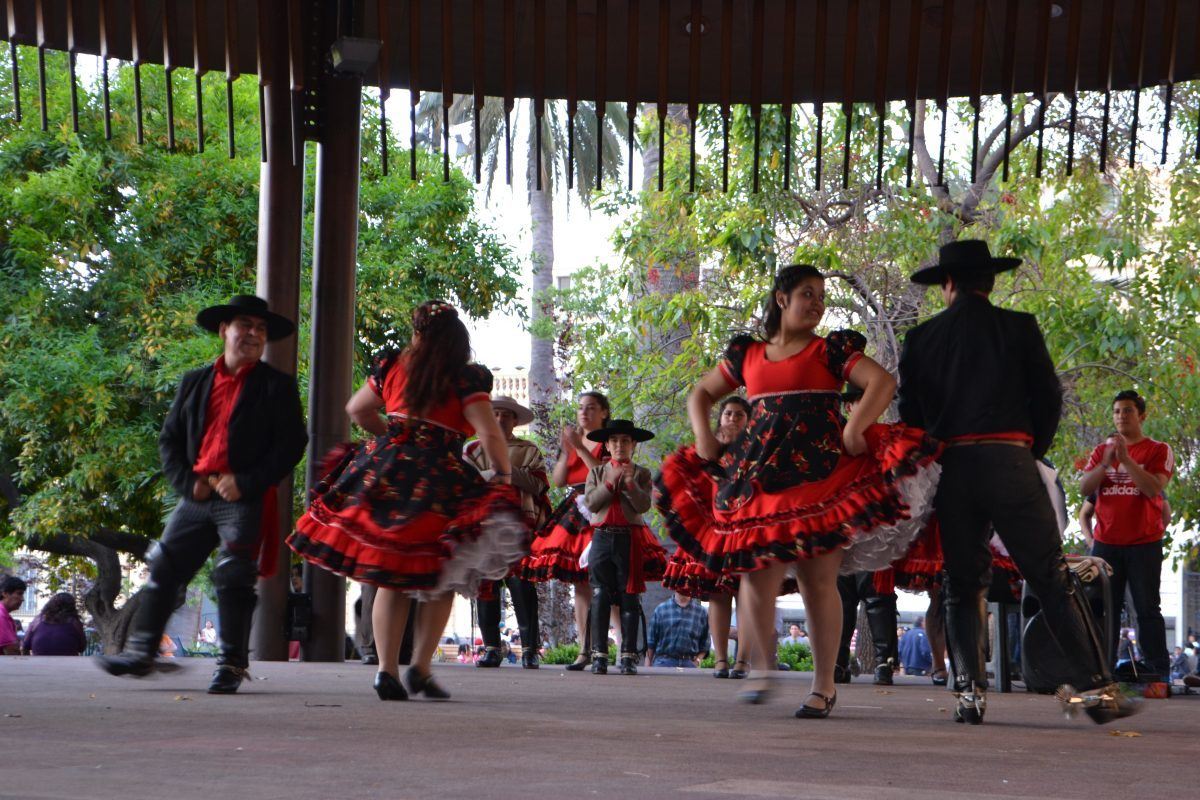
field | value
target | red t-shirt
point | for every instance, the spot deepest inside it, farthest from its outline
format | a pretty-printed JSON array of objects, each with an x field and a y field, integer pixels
[
  {"x": 1124, "y": 515},
  {"x": 214, "y": 446}
]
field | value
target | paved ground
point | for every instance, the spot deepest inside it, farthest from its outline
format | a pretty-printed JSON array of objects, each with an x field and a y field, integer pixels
[{"x": 301, "y": 731}]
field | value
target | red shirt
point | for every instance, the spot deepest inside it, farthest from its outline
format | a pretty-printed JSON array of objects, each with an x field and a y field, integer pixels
[
  {"x": 1124, "y": 515},
  {"x": 577, "y": 468},
  {"x": 473, "y": 386},
  {"x": 615, "y": 517},
  {"x": 214, "y": 446}
]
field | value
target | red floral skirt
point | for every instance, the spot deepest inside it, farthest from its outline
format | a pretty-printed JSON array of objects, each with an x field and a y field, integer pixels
[
  {"x": 404, "y": 511},
  {"x": 921, "y": 568},
  {"x": 557, "y": 549},
  {"x": 873, "y": 506}
]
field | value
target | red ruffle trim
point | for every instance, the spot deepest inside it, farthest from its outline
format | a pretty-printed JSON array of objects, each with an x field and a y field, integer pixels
[
  {"x": 860, "y": 494},
  {"x": 921, "y": 570},
  {"x": 409, "y": 556}
]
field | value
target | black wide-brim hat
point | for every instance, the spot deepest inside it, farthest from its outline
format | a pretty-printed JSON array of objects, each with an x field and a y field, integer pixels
[
  {"x": 278, "y": 326},
  {"x": 624, "y": 426},
  {"x": 970, "y": 256}
]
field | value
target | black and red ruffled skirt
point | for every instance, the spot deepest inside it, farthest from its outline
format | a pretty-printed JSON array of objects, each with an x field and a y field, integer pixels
[
  {"x": 404, "y": 511},
  {"x": 921, "y": 569},
  {"x": 559, "y": 546},
  {"x": 873, "y": 506}
]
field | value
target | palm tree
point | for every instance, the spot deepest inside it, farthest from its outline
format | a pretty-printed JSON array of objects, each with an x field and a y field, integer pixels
[{"x": 595, "y": 150}]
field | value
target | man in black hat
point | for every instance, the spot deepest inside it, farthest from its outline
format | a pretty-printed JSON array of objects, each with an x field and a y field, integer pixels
[
  {"x": 234, "y": 431},
  {"x": 980, "y": 379},
  {"x": 617, "y": 494}
]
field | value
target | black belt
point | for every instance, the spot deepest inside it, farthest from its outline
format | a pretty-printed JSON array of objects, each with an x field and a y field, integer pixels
[{"x": 676, "y": 656}]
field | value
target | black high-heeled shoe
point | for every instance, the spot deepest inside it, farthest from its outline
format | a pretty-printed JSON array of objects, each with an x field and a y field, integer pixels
[
  {"x": 812, "y": 712},
  {"x": 388, "y": 688},
  {"x": 580, "y": 663},
  {"x": 424, "y": 684}
]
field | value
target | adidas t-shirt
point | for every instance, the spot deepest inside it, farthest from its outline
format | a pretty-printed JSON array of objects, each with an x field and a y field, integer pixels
[{"x": 1124, "y": 515}]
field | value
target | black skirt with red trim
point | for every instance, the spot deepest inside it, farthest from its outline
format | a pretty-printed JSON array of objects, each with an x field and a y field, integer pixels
[
  {"x": 404, "y": 511},
  {"x": 873, "y": 505}
]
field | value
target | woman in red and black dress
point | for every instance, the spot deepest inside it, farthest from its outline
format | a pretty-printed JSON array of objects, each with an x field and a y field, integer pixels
[
  {"x": 560, "y": 544},
  {"x": 802, "y": 489},
  {"x": 403, "y": 511}
]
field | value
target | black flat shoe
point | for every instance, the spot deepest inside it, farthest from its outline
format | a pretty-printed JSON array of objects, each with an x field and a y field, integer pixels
[
  {"x": 738, "y": 674},
  {"x": 424, "y": 684},
  {"x": 126, "y": 664},
  {"x": 721, "y": 672},
  {"x": 388, "y": 688},
  {"x": 579, "y": 664},
  {"x": 227, "y": 679},
  {"x": 939, "y": 678},
  {"x": 757, "y": 694},
  {"x": 812, "y": 712}
]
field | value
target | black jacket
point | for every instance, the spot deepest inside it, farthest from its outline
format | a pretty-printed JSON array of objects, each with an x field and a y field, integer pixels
[
  {"x": 267, "y": 433},
  {"x": 977, "y": 369}
]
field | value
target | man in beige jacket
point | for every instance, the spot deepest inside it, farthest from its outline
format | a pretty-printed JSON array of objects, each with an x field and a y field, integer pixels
[
  {"x": 530, "y": 479},
  {"x": 617, "y": 494}
]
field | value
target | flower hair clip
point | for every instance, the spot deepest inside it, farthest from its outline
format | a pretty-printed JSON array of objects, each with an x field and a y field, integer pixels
[{"x": 427, "y": 311}]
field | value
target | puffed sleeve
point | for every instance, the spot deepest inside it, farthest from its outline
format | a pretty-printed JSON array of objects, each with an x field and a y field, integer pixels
[
  {"x": 377, "y": 373},
  {"x": 843, "y": 349},
  {"x": 474, "y": 384},
  {"x": 735, "y": 358}
]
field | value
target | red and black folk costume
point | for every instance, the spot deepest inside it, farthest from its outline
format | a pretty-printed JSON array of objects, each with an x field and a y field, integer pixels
[
  {"x": 922, "y": 568},
  {"x": 785, "y": 489},
  {"x": 404, "y": 511}
]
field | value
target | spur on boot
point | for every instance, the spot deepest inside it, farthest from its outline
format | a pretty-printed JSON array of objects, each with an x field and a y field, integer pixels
[
  {"x": 970, "y": 706},
  {"x": 627, "y": 665},
  {"x": 227, "y": 679},
  {"x": 424, "y": 684},
  {"x": 1103, "y": 704},
  {"x": 580, "y": 663},
  {"x": 721, "y": 671},
  {"x": 883, "y": 675},
  {"x": 812, "y": 712},
  {"x": 599, "y": 665},
  {"x": 388, "y": 687},
  {"x": 491, "y": 658},
  {"x": 529, "y": 658}
]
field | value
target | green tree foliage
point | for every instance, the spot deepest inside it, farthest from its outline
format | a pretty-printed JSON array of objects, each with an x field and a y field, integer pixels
[
  {"x": 1110, "y": 265},
  {"x": 108, "y": 249}
]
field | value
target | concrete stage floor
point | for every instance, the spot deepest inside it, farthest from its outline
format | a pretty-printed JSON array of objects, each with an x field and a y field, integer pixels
[{"x": 301, "y": 731}]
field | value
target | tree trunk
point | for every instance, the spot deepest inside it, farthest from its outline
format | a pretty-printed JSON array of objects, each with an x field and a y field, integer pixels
[{"x": 543, "y": 384}]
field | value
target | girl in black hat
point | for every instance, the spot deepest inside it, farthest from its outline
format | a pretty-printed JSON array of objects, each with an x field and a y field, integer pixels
[
  {"x": 403, "y": 511},
  {"x": 803, "y": 488}
]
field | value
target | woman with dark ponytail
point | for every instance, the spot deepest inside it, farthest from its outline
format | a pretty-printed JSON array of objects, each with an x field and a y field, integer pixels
[
  {"x": 402, "y": 511},
  {"x": 802, "y": 489}
]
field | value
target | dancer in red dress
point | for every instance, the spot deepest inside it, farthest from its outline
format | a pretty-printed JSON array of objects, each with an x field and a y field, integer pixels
[
  {"x": 802, "y": 489},
  {"x": 403, "y": 511},
  {"x": 559, "y": 545},
  {"x": 688, "y": 576}
]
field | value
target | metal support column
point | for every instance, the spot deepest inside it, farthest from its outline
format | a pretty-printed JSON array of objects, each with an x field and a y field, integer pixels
[
  {"x": 335, "y": 244},
  {"x": 280, "y": 217}
]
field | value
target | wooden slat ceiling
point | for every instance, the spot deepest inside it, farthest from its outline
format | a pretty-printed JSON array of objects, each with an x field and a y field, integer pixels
[{"x": 840, "y": 50}]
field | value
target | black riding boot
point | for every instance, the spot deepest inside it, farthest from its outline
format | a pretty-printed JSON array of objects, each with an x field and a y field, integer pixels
[
  {"x": 601, "y": 607},
  {"x": 157, "y": 604},
  {"x": 966, "y": 629},
  {"x": 848, "y": 592},
  {"x": 235, "y": 611},
  {"x": 881, "y": 617},
  {"x": 631, "y": 619}
]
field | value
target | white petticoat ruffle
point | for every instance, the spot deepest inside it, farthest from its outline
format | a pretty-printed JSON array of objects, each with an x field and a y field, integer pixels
[
  {"x": 878, "y": 548},
  {"x": 503, "y": 542}
]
